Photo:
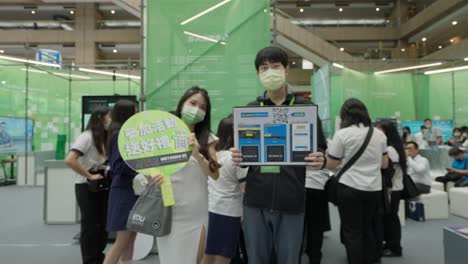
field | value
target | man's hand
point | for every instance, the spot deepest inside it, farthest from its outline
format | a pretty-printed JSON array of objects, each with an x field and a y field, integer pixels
[
  {"x": 236, "y": 156},
  {"x": 315, "y": 160}
]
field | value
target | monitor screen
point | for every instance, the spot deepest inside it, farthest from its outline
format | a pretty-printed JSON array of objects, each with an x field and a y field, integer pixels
[{"x": 16, "y": 134}]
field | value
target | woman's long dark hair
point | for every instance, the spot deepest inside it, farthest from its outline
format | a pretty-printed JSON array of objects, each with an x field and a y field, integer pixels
[
  {"x": 96, "y": 127},
  {"x": 393, "y": 139},
  {"x": 225, "y": 134},
  {"x": 121, "y": 112},
  {"x": 203, "y": 129},
  {"x": 354, "y": 112}
]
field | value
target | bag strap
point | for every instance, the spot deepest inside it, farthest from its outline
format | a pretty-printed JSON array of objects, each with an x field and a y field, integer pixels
[{"x": 357, "y": 155}]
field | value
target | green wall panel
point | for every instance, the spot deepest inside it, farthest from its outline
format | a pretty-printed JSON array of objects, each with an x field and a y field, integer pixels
[{"x": 176, "y": 61}]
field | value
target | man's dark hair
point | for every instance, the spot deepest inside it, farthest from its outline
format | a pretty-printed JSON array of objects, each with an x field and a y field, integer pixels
[
  {"x": 455, "y": 152},
  {"x": 427, "y": 119},
  {"x": 423, "y": 127},
  {"x": 416, "y": 146},
  {"x": 272, "y": 55}
]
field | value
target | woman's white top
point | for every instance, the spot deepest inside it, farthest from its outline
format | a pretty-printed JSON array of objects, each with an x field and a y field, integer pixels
[
  {"x": 89, "y": 155},
  {"x": 316, "y": 179},
  {"x": 365, "y": 174},
  {"x": 225, "y": 195}
]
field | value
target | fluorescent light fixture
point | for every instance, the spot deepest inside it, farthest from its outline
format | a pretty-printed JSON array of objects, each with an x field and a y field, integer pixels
[
  {"x": 424, "y": 39},
  {"x": 294, "y": 63},
  {"x": 72, "y": 12},
  {"x": 452, "y": 41},
  {"x": 454, "y": 23},
  {"x": 110, "y": 73},
  {"x": 301, "y": 10},
  {"x": 113, "y": 12},
  {"x": 377, "y": 9},
  {"x": 466, "y": 59},
  {"x": 30, "y": 61},
  {"x": 409, "y": 68},
  {"x": 205, "y": 12},
  {"x": 341, "y": 9},
  {"x": 341, "y": 49},
  {"x": 2, "y": 51},
  {"x": 338, "y": 65},
  {"x": 440, "y": 47},
  {"x": 33, "y": 12},
  {"x": 334, "y": 22},
  {"x": 447, "y": 70},
  {"x": 403, "y": 50},
  {"x": 114, "y": 51},
  {"x": 307, "y": 65},
  {"x": 204, "y": 37},
  {"x": 57, "y": 74}
]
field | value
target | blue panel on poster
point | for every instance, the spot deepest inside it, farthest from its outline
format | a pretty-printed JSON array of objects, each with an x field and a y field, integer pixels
[{"x": 16, "y": 135}]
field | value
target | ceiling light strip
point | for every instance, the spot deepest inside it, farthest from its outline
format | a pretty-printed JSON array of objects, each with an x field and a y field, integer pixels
[
  {"x": 30, "y": 61},
  {"x": 447, "y": 70},
  {"x": 409, "y": 68},
  {"x": 205, "y": 12},
  {"x": 204, "y": 37},
  {"x": 338, "y": 65}
]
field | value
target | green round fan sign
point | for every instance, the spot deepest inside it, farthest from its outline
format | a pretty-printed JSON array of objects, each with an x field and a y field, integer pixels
[{"x": 155, "y": 142}]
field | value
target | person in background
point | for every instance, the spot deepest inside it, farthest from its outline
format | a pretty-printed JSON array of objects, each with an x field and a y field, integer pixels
[
  {"x": 190, "y": 212},
  {"x": 360, "y": 186},
  {"x": 419, "y": 138},
  {"x": 225, "y": 201},
  {"x": 88, "y": 151},
  {"x": 458, "y": 172},
  {"x": 457, "y": 139},
  {"x": 121, "y": 196},
  {"x": 317, "y": 216},
  {"x": 418, "y": 168},
  {"x": 391, "y": 221},
  {"x": 5, "y": 139},
  {"x": 433, "y": 135},
  {"x": 406, "y": 137},
  {"x": 274, "y": 200}
]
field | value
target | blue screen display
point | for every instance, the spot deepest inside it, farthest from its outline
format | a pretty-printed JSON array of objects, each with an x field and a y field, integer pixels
[{"x": 15, "y": 133}]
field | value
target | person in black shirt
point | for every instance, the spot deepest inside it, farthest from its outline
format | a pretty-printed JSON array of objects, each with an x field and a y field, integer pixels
[{"x": 274, "y": 201}]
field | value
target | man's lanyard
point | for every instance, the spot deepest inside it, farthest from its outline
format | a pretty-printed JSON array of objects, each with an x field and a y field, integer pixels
[
  {"x": 273, "y": 169},
  {"x": 290, "y": 102}
]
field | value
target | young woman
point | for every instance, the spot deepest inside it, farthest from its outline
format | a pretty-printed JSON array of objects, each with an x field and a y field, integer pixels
[
  {"x": 457, "y": 138},
  {"x": 225, "y": 201},
  {"x": 121, "y": 196},
  {"x": 87, "y": 152},
  {"x": 361, "y": 185},
  {"x": 190, "y": 212},
  {"x": 391, "y": 221}
]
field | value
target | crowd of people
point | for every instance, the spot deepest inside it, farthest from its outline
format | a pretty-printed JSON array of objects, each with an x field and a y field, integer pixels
[{"x": 270, "y": 213}]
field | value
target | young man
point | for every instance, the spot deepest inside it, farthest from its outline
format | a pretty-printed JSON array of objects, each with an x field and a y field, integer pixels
[
  {"x": 418, "y": 168},
  {"x": 433, "y": 135},
  {"x": 419, "y": 138},
  {"x": 458, "y": 172},
  {"x": 275, "y": 195}
]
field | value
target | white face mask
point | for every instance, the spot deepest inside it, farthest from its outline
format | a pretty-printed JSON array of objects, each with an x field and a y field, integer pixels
[
  {"x": 192, "y": 115},
  {"x": 272, "y": 79}
]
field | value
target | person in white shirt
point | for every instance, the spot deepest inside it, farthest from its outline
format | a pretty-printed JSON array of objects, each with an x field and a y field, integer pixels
[
  {"x": 391, "y": 221},
  {"x": 87, "y": 152},
  {"x": 225, "y": 201},
  {"x": 360, "y": 186},
  {"x": 418, "y": 168},
  {"x": 419, "y": 138},
  {"x": 317, "y": 216},
  {"x": 433, "y": 135}
]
